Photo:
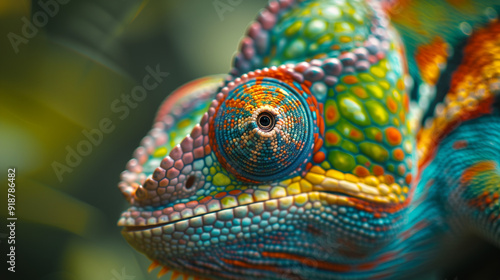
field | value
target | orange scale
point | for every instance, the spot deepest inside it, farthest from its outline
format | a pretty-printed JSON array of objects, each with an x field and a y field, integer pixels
[
  {"x": 378, "y": 170},
  {"x": 389, "y": 179},
  {"x": 406, "y": 102},
  {"x": 402, "y": 116},
  {"x": 398, "y": 154},
  {"x": 361, "y": 171},
  {"x": 400, "y": 84},
  {"x": 350, "y": 80},
  {"x": 319, "y": 157},
  {"x": 321, "y": 125},
  {"x": 315, "y": 102},
  {"x": 355, "y": 134},
  {"x": 393, "y": 136},
  {"x": 401, "y": 169},
  {"x": 331, "y": 138},
  {"x": 318, "y": 144},
  {"x": 408, "y": 178},
  {"x": 205, "y": 200},
  {"x": 331, "y": 113},
  {"x": 220, "y": 195},
  {"x": 392, "y": 105},
  {"x": 235, "y": 192},
  {"x": 308, "y": 165}
]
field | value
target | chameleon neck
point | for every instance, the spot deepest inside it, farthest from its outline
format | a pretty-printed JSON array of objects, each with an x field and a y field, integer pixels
[{"x": 467, "y": 177}]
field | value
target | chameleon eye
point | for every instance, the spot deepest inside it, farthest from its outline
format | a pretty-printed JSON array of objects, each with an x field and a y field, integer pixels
[
  {"x": 266, "y": 121},
  {"x": 262, "y": 130}
]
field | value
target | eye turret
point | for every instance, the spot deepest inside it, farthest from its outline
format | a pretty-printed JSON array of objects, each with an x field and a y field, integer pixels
[{"x": 263, "y": 130}]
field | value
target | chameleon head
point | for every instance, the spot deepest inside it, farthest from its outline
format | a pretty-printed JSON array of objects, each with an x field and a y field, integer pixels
[
  {"x": 293, "y": 170},
  {"x": 250, "y": 187}
]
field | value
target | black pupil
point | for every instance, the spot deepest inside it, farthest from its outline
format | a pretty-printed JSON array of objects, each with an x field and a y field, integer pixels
[{"x": 265, "y": 121}]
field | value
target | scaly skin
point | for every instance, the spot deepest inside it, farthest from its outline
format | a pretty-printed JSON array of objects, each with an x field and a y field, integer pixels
[{"x": 307, "y": 162}]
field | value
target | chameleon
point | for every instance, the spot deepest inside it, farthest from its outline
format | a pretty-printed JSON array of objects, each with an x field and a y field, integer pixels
[{"x": 350, "y": 140}]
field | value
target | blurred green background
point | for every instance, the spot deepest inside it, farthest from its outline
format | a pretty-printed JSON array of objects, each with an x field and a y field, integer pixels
[{"x": 61, "y": 81}]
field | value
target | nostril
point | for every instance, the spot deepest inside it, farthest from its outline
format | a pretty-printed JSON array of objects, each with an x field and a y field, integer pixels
[{"x": 190, "y": 182}]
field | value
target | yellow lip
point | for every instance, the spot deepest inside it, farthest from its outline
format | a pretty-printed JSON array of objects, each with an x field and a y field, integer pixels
[{"x": 328, "y": 187}]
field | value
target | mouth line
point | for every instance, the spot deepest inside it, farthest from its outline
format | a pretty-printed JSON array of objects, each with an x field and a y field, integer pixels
[{"x": 147, "y": 227}]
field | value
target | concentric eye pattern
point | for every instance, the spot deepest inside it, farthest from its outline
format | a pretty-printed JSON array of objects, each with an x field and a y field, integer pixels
[
  {"x": 263, "y": 130},
  {"x": 266, "y": 121}
]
